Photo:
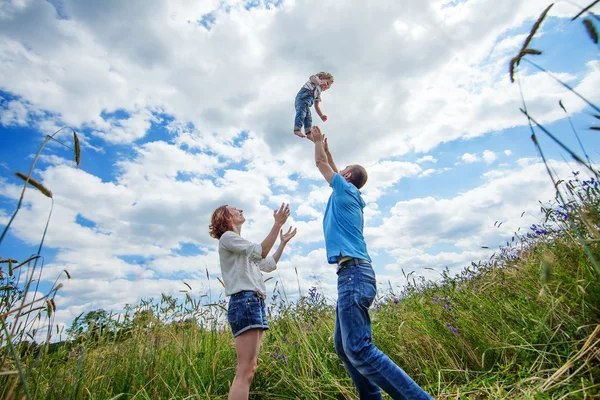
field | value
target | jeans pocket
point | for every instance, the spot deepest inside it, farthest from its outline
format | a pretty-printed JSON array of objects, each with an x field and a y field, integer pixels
[
  {"x": 252, "y": 307},
  {"x": 253, "y": 299},
  {"x": 233, "y": 311},
  {"x": 344, "y": 283},
  {"x": 368, "y": 291}
]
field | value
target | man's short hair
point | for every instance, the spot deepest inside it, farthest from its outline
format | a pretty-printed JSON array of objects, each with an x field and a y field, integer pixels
[{"x": 358, "y": 176}]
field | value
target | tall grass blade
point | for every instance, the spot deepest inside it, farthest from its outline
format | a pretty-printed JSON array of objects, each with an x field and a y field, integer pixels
[
  {"x": 535, "y": 27},
  {"x": 565, "y": 85},
  {"x": 39, "y": 251},
  {"x": 20, "y": 202},
  {"x": 16, "y": 358},
  {"x": 575, "y": 133},
  {"x": 591, "y": 30},
  {"x": 575, "y": 156},
  {"x": 585, "y": 9},
  {"x": 77, "y": 148},
  {"x": 524, "y": 49},
  {"x": 45, "y": 191}
]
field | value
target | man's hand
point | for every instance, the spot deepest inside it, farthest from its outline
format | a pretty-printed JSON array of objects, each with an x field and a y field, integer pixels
[
  {"x": 317, "y": 136},
  {"x": 325, "y": 144},
  {"x": 286, "y": 237},
  {"x": 324, "y": 117},
  {"x": 282, "y": 214}
]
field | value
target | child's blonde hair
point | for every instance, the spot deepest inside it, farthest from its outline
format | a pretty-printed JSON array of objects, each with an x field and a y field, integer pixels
[{"x": 325, "y": 75}]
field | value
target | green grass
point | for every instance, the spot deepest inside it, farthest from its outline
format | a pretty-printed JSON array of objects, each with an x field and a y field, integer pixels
[{"x": 522, "y": 325}]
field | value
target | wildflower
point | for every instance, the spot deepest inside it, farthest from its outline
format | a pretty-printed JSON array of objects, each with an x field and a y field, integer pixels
[
  {"x": 285, "y": 340},
  {"x": 396, "y": 301},
  {"x": 447, "y": 306},
  {"x": 284, "y": 359},
  {"x": 453, "y": 329},
  {"x": 297, "y": 369}
]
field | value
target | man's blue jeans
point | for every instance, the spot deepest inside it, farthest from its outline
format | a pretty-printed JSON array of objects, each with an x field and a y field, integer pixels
[
  {"x": 368, "y": 367},
  {"x": 304, "y": 100}
]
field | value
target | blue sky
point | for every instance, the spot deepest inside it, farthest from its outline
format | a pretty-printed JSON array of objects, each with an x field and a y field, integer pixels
[{"x": 191, "y": 106}]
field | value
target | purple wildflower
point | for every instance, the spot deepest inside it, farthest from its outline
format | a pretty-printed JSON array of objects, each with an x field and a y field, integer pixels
[
  {"x": 396, "y": 301},
  {"x": 453, "y": 329}
]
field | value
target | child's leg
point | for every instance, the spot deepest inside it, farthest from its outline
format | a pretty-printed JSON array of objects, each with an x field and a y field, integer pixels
[
  {"x": 301, "y": 110},
  {"x": 308, "y": 124}
]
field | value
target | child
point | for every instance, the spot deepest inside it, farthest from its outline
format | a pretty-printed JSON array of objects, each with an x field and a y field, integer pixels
[{"x": 309, "y": 94}]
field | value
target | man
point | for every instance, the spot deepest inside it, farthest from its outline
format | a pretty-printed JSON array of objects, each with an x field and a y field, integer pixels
[{"x": 369, "y": 368}]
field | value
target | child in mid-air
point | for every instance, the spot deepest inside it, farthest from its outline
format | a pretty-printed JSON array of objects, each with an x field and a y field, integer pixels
[{"x": 309, "y": 94}]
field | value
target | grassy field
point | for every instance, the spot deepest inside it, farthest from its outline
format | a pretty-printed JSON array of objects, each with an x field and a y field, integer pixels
[{"x": 523, "y": 324}]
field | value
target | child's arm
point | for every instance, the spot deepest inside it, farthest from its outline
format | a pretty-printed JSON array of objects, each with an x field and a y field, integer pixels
[
  {"x": 318, "y": 110},
  {"x": 315, "y": 80}
]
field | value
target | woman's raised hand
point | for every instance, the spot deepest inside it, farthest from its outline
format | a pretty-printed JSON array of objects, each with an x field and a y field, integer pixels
[
  {"x": 282, "y": 214},
  {"x": 286, "y": 237}
]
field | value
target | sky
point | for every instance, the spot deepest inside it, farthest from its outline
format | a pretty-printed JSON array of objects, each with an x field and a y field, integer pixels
[{"x": 182, "y": 106}]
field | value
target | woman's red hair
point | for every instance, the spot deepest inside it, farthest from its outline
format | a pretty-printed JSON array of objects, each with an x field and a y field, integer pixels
[{"x": 220, "y": 222}]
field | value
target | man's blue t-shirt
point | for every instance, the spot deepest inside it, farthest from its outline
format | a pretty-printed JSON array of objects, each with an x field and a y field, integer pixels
[{"x": 343, "y": 222}]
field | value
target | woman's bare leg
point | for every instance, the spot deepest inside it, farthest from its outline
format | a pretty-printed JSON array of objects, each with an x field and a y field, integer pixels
[{"x": 247, "y": 346}]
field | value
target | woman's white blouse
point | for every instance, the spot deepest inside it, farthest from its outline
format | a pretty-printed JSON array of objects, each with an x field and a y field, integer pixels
[{"x": 241, "y": 263}]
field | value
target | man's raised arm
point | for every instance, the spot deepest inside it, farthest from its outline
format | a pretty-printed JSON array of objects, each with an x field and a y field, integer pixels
[
  {"x": 329, "y": 156},
  {"x": 321, "y": 158}
]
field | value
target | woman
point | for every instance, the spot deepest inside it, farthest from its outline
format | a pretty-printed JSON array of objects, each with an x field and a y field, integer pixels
[{"x": 241, "y": 263}]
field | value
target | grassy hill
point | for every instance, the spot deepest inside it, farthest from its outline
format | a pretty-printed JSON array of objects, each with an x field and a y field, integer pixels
[{"x": 523, "y": 324}]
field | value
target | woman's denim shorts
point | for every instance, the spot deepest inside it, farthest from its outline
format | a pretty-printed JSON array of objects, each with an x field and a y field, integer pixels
[{"x": 246, "y": 311}]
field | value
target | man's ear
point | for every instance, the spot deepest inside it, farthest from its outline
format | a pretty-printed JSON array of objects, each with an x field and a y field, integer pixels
[{"x": 347, "y": 175}]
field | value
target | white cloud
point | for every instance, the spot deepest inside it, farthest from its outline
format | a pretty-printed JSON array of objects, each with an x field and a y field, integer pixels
[
  {"x": 469, "y": 158},
  {"x": 426, "y": 159},
  {"x": 507, "y": 152},
  {"x": 466, "y": 221},
  {"x": 489, "y": 156},
  {"x": 385, "y": 174},
  {"x": 428, "y": 172},
  {"x": 232, "y": 78}
]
